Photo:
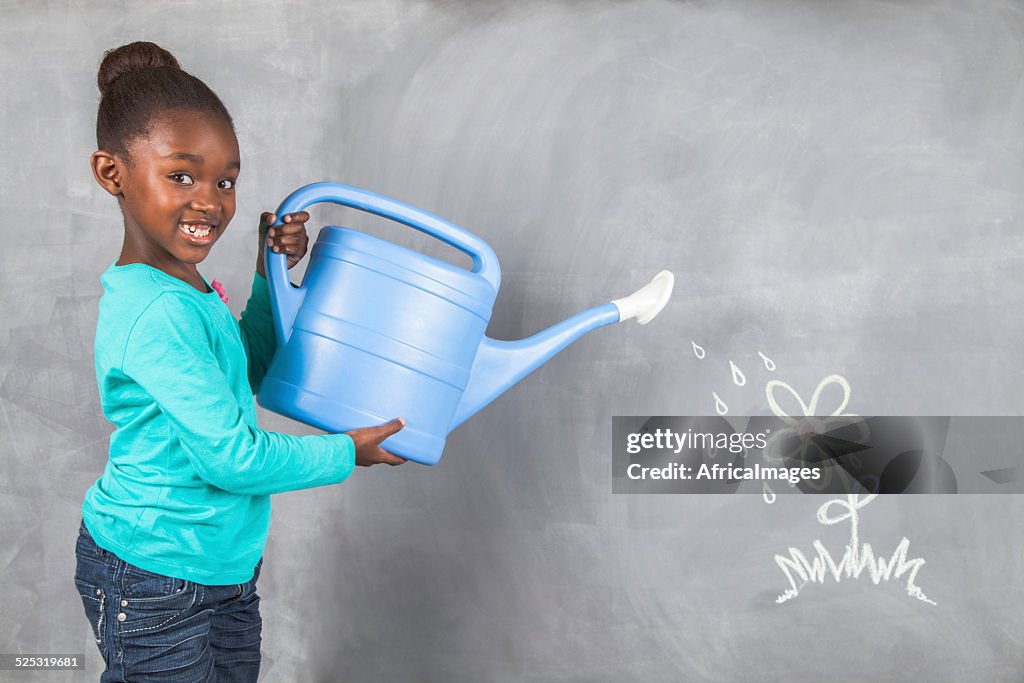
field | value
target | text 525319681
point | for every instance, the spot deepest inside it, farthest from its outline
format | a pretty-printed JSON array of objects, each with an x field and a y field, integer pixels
[{"x": 47, "y": 662}]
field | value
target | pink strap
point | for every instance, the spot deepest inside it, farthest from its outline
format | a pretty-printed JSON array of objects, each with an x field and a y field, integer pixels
[{"x": 219, "y": 288}]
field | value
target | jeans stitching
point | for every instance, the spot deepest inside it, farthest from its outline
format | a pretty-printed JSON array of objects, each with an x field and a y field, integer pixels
[
  {"x": 98, "y": 629},
  {"x": 167, "y": 621},
  {"x": 175, "y": 594},
  {"x": 99, "y": 622}
]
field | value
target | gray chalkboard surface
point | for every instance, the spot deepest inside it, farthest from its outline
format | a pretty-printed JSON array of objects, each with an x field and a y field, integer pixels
[{"x": 837, "y": 186}]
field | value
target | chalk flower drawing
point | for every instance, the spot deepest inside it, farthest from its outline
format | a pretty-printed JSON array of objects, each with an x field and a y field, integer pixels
[
  {"x": 809, "y": 425},
  {"x": 857, "y": 558}
]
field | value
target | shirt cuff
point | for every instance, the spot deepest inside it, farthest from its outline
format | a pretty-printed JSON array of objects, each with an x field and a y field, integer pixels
[{"x": 346, "y": 460}]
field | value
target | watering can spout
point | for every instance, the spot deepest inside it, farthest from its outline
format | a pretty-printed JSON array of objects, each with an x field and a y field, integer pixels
[{"x": 500, "y": 364}]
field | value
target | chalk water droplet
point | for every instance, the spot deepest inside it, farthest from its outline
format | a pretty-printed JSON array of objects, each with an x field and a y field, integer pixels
[
  {"x": 720, "y": 406},
  {"x": 738, "y": 378},
  {"x": 769, "y": 364},
  {"x": 698, "y": 350}
]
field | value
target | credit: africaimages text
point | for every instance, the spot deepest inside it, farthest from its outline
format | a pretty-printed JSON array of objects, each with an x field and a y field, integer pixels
[
  {"x": 686, "y": 443},
  {"x": 717, "y": 472}
]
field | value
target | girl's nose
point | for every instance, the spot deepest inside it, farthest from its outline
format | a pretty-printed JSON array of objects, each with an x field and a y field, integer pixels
[{"x": 202, "y": 203}]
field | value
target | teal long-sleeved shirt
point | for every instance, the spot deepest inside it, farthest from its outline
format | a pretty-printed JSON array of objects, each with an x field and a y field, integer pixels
[{"x": 186, "y": 489}]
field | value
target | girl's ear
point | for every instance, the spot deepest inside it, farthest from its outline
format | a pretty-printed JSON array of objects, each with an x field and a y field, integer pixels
[{"x": 106, "y": 168}]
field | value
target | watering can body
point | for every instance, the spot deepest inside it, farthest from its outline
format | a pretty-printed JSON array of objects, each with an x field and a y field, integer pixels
[{"x": 378, "y": 331}]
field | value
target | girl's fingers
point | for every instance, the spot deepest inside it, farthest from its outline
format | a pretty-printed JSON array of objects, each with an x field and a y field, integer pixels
[
  {"x": 291, "y": 223},
  {"x": 290, "y": 237},
  {"x": 287, "y": 241},
  {"x": 287, "y": 229},
  {"x": 388, "y": 458},
  {"x": 268, "y": 218},
  {"x": 298, "y": 217},
  {"x": 295, "y": 243},
  {"x": 289, "y": 246}
]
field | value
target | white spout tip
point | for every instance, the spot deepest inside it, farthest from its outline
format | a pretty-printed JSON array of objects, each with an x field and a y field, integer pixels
[{"x": 647, "y": 302}]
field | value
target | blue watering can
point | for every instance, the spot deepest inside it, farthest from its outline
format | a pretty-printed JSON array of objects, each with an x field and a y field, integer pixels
[{"x": 378, "y": 331}]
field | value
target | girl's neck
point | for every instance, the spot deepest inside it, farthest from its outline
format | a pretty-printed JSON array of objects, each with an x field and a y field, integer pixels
[{"x": 186, "y": 272}]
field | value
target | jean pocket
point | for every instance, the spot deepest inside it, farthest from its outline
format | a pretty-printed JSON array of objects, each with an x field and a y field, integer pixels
[
  {"x": 142, "y": 585},
  {"x": 150, "y": 601},
  {"x": 94, "y": 601}
]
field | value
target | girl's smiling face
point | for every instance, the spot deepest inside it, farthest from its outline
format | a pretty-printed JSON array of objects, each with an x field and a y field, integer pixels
[{"x": 176, "y": 189}]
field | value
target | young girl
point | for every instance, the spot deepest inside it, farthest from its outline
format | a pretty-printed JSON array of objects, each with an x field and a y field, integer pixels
[{"x": 173, "y": 532}]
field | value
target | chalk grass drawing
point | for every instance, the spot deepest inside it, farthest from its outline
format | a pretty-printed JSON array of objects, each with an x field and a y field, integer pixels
[{"x": 857, "y": 558}]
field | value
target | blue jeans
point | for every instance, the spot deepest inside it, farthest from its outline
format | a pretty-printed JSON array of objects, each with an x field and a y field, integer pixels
[{"x": 151, "y": 627}]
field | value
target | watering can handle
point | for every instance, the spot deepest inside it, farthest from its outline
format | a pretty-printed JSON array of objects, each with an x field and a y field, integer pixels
[{"x": 287, "y": 299}]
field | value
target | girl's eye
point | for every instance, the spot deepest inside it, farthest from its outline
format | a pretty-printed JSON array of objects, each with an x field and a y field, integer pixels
[
  {"x": 182, "y": 178},
  {"x": 228, "y": 184}
]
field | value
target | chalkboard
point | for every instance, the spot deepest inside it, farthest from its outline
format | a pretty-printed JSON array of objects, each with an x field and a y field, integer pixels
[{"x": 837, "y": 187}]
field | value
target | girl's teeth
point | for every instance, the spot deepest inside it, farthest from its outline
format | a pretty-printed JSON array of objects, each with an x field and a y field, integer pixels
[{"x": 196, "y": 230}]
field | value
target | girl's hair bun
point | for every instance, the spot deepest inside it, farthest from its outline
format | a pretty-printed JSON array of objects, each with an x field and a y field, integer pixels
[
  {"x": 139, "y": 83},
  {"x": 132, "y": 57}
]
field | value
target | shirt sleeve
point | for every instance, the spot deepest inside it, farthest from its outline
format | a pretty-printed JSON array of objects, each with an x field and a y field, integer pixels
[
  {"x": 169, "y": 355},
  {"x": 257, "y": 328}
]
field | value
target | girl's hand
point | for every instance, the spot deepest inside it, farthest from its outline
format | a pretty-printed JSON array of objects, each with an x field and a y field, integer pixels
[
  {"x": 367, "y": 441},
  {"x": 290, "y": 238}
]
